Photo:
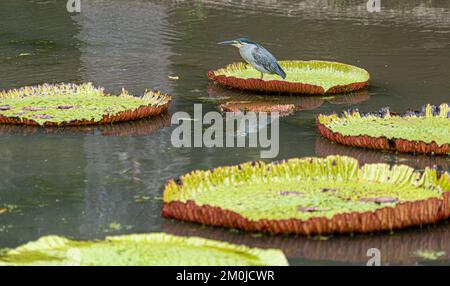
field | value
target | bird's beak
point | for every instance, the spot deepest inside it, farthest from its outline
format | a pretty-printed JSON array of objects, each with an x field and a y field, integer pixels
[{"x": 227, "y": 43}]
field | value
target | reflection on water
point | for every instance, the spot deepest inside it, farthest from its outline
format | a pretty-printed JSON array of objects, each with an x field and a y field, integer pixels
[
  {"x": 34, "y": 47},
  {"x": 237, "y": 99},
  {"x": 418, "y": 13},
  {"x": 139, "y": 127},
  {"x": 367, "y": 156},
  {"x": 120, "y": 41},
  {"x": 93, "y": 182},
  {"x": 397, "y": 248},
  {"x": 251, "y": 101}
]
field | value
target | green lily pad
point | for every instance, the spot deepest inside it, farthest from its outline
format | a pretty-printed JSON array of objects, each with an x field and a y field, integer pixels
[
  {"x": 139, "y": 250},
  {"x": 298, "y": 191},
  {"x": 429, "y": 127},
  {"x": 308, "y": 77},
  {"x": 71, "y": 104}
]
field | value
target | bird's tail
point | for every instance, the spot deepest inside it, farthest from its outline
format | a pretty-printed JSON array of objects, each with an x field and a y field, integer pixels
[{"x": 281, "y": 72}]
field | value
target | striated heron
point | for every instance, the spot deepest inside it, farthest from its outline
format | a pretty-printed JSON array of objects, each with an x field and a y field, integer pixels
[{"x": 257, "y": 56}]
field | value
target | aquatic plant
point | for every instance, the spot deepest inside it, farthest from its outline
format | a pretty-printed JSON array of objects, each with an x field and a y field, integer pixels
[
  {"x": 139, "y": 249},
  {"x": 425, "y": 132},
  {"x": 309, "y": 196},
  {"x": 71, "y": 104},
  {"x": 304, "y": 77},
  {"x": 240, "y": 106},
  {"x": 429, "y": 254}
]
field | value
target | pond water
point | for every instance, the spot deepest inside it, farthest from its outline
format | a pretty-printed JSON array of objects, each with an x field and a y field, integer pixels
[{"x": 92, "y": 182}]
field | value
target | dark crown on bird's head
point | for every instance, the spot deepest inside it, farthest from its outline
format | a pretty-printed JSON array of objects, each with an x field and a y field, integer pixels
[{"x": 246, "y": 41}]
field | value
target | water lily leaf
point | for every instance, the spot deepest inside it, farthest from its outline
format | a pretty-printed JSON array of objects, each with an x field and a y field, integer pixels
[
  {"x": 139, "y": 249},
  {"x": 309, "y": 196},
  {"x": 305, "y": 77},
  {"x": 418, "y": 132},
  {"x": 71, "y": 104}
]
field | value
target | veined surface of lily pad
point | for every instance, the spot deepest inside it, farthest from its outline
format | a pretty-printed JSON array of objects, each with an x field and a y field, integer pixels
[
  {"x": 310, "y": 195},
  {"x": 421, "y": 132},
  {"x": 71, "y": 104},
  {"x": 139, "y": 250},
  {"x": 304, "y": 77}
]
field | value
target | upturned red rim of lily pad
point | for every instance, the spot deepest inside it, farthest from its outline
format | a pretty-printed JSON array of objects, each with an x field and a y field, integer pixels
[
  {"x": 303, "y": 77},
  {"x": 310, "y": 196},
  {"x": 424, "y": 132},
  {"x": 74, "y": 105}
]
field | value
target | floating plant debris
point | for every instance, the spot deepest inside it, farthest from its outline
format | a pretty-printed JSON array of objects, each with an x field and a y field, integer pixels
[
  {"x": 252, "y": 196},
  {"x": 303, "y": 77},
  {"x": 416, "y": 132},
  {"x": 41, "y": 116},
  {"x": 380, "y": 200},
  {"x": 34, "y": 108},
  {"x": 312, "y": 209},
  {"x": 430, "y": 254},
  {"x": 282, "y": 109},
  {"x": 139, "y": 250},
  {"x": 71, "y": 104},
  {"x": 67, "y": 106}
]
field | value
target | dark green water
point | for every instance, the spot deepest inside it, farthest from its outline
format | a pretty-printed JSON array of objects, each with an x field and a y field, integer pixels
[{"x": 89, "y": 183}]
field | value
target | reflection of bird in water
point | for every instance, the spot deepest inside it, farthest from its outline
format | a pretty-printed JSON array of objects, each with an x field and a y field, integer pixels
[
  {"x": 257, "y": 56},
  {"x": 247, "y": 124},
  {"x": 235, "y": 101}
]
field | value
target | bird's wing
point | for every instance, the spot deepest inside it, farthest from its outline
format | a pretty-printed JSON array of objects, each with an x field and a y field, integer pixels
[{"x": 264, "y": 58}]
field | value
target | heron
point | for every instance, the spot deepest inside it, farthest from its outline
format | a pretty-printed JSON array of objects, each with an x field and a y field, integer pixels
[{"x": 257, "y": 56}]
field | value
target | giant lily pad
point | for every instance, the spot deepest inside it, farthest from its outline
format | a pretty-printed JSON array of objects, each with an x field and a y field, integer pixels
[
  {"x": 419, "y": 132},
  {"x": 71, "y": 104},
  {"x": 139, "y": 249},
  {"x": 310, "y": 195},
  {"x": 304, "y": 77}
]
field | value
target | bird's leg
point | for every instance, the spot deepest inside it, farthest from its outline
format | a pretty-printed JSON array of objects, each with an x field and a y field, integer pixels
[{"x": 262, "y": 76}]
